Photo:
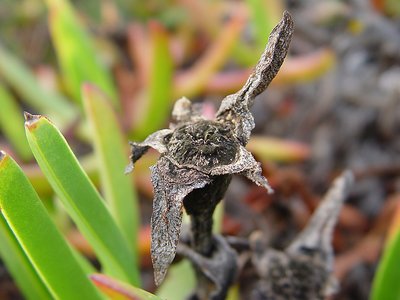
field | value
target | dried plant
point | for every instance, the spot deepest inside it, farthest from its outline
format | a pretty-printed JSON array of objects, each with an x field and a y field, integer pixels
[
  {"x": 198, "y": 159},
  {"x": 304, "y": 269}
]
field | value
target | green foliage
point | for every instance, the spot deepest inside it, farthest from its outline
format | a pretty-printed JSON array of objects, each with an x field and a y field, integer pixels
[
  {"x": 39, "y": 238},
  {"x": 77, "y": 56},
  {"x": 173, "y": 288},
  {"x": 25, "y": 84},
  {"x": 118, "y": 290},
  {"x": 111, "y": 226},
  {"x": 111, "y": 149},
  {"x": 156, "y": 101},
  {"x": 386, "y": 281},
  {"x": 11, "y": 121},
  {"x": 262, "y": 22},
  {"x": 80, "y": 198},
  {"x": 19, "y": 265}
]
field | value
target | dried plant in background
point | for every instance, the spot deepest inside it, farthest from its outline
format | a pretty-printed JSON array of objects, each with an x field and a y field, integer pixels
[
  {"x": 198, "y": 159},
  {"x": 304, "y": 269}
]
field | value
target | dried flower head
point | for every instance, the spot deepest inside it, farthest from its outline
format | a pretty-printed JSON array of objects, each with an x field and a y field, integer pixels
[
  {"x": 199, "y": 156},
  {"x": 304, "y": 269}
]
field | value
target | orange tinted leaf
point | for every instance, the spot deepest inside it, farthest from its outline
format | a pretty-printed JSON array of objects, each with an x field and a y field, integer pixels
[
  {"x": 193, "y": 81},
  {"x": 305, "y": 67},
  {"x": 117, "y": 290},
  {"x": 267, "y": 148}
]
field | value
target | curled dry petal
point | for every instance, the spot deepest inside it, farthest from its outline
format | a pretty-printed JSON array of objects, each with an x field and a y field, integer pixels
[
  {"x": 171, "y": 186},
  {"x": 235, "y": 108},
  {"x": 246, "y": 165},
  {"x": 255, "y": 175},
  {"x": 154, "y": 140}
]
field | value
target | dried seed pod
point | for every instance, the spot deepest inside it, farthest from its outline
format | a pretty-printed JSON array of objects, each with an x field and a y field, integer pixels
[
  {"x": 198, "y": 158},
  {"x": 304, "y": 269}
]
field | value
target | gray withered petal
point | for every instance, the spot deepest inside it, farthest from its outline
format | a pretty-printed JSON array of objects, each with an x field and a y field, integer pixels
[
  {"x": 246, "y": 165},
  {"x": 255, "y": 175},
  {"x": 235, "y": 108},
  {"x": 154, "y": 140},
  {"x": 171, "y": 186}
]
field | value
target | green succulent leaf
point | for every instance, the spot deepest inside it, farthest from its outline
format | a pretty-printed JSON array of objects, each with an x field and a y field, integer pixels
[
  {"x": 39, "y": 238},
  {"x": 80, "y": 198},
  {"x": 385, "y": 284},
  {"x": 118, "y": 290},
  {"x": 76, "y": 53},
  {"x": 156, "y": 100},
  {"x": 112, "y": 153},
  {"x": 19, "y": 265},
  {"x": 16, "y": 74},
  {"x": 11, "y": 121}
]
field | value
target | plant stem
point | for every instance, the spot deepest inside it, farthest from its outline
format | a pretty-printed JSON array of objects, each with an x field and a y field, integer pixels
[{"x": 200, "y": 205}]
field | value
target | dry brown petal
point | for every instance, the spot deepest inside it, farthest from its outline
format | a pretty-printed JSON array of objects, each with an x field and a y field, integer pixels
[
  {"x": 235, "y": 108},
  {"x": 171, "y": 186}
]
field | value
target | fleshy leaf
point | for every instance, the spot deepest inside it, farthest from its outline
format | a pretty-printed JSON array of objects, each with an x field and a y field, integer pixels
[
  {"x": 273, "y": 149},
  {"x": 19, "y": 266},
  {"x": 110, "y": 149},
  {"x": 117, "y": 290},
  {"x": 11, "y": 123},
  {"x": 32, "y": 93},
  {"x": 80, "y": 198},
  {"x": 44, "y": 245},
  {"x": 76, "y": 53}
]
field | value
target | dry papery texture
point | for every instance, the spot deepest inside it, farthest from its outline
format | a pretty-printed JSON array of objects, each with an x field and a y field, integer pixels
[{"x": 198, "y": 159}]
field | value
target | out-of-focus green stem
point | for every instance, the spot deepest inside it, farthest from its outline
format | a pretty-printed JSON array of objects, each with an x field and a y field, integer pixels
[
  {"x": 25, "y": 84},
  {"x": 11, "y": 121},
  {"x": 111, "y": 150},
  {"x": 76, "y": 53},
  {"x": 156, "y": 98},
  {"x": 190, "y": 83}
]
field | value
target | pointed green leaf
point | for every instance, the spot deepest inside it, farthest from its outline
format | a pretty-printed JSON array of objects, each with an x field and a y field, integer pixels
[
  {"x": 156, "y": 101},
  {"x": 117, "y": 290},
  {"x": 76, "y": 52},
  {"x": 11, "y": 121},
  {"x": 25, "y": 84},
  {"x": 111, "y": 149},
  {"x": 80, "y": 198},
  {"x": 385, "y": 284},
  {"x": 19, "y": 265},
  {"x": 43, "y": 244},
  {"x": 265, "y": 14}
]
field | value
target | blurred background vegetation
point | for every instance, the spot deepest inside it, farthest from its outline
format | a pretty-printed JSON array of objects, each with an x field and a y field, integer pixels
[{"x": 333, "y": 105}]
